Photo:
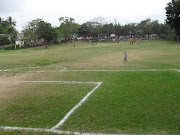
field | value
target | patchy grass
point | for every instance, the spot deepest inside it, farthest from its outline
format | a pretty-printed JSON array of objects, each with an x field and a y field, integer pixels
[
  {"x": 39, "y": 105},
  {"x": 125, "y": 103},
  {"x": 130, "y": 102},
  {"x": 149, "y": 54},
  {"x": 18, "y": 132}
]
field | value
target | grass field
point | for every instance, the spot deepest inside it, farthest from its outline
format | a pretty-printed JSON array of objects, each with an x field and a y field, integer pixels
[{"x": 137, "y": 97}]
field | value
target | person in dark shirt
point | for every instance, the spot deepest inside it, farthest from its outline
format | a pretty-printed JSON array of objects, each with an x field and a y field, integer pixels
[{"x": 125, "y": 57}]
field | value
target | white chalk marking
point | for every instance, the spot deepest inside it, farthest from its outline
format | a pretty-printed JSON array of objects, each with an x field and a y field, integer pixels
[
  {"x": 133, "y": 70},
  {"x": 78, "y": 105},
  {"x": 34, "y": 67},
  {"x": 66, "y": 70},
  {"x": 75, "y": 107},
  {"x": 68, "y": 82},
  {"x": 54, "y": 131},
  {"x": 68, "y": 114},
  {"x": 4, "y": 70}
]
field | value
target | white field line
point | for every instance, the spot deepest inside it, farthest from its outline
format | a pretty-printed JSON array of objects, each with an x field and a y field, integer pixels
[
  {"x": 64, "y": 69},
  {"x": 125, "y": 70},
  {"x": 2, "y": 70},
  {"x": 75, "y": 107},
  {"x": 67, "y": 82},
  {"x": 15, "y": 69},
  {"x": 133, "y": 70},
  {"x": 54, "y": 131},
  {"x": 78, "y": 105},
  {"x": 65, "y": 117}
]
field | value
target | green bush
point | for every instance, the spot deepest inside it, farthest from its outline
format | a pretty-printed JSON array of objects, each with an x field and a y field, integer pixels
[
  {"x": 4, "y": 40},
  {"x": 168, "y": 37},
  {"x": 10, "y": 47}
]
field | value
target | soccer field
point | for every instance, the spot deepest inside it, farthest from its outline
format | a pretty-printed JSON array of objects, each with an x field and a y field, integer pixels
[{"x": 89, "y": 89}]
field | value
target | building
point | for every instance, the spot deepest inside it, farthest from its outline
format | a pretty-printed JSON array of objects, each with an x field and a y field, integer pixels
[{"x": 20, "y": 39}]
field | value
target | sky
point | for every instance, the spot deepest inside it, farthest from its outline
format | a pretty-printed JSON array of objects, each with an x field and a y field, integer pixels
[{"x": 124, "y": 11}]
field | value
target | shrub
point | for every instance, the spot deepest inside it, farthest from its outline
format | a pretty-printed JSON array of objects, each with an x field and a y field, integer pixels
[
  {"x": 4, "y": 40},
  {"x": 168, "y": 37},
  {"x": 10, "y": 47}
]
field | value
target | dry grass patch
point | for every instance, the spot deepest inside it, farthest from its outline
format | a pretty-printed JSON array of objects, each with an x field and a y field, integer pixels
[
  {"x": 35, "y": 104},
  {"x": 115, "y": 60},
  {"x": 9, "y": 88}
]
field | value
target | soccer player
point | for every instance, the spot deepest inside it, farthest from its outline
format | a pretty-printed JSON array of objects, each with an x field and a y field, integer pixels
[{"x": 125, "y": 57}]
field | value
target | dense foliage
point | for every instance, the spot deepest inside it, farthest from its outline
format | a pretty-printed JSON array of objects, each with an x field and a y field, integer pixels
[
  {"x": 7, "y": 30},
  {"x": 10, "y": 47},
  {"x": 145, "y": 27},
  {"x": 4, "y": 40},
  {"x": 39, "y": 29},
  {"x": 173, "y": 15},
  {"x": 68, "y": 29}
]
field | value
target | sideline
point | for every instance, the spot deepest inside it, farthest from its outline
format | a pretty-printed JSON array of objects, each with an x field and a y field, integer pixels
[{"x": 54, "y": 131}]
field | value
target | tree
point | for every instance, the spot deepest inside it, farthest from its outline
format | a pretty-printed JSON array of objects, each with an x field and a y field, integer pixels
[
  {"x": 0, "y": 20},
  {"x": 68, "y": 27},
  {"x": 94, "y": 28},
  {"x": 173, "y": 15},
  {"x": 46, "y": 31},
  {"x": 118, "y": 29},
  {"x": 37, "y": 29},
  {"x": 100, "y": 20},
  {"x": 30, "y": 31},
  {"x": 108, "y": 29},
  {"x": 166, "y": 29},
  {"x": 11, "y": 21},
  {"x": 155, "y": 27},
  {"x": 145, "y": 27},
  {"x": 7, "y": 28},
  {"x": 83, "y": 30}
]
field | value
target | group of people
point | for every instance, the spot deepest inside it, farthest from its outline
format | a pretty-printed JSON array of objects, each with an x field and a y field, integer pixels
[{"x": 133, "y": 41}]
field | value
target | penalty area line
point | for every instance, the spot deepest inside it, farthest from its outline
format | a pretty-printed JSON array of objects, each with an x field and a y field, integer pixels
[
  {"x": 66, "y": 116},
  {"x": 61, "y": 122}
]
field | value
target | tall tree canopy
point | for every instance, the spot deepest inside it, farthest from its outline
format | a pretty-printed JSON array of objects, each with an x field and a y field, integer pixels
[
  {"x": 7, "y": 28},
  {"x": 37, "y": 29},
  {"x": 173, "y": 15},
  {"x": 68, "y": 27}
]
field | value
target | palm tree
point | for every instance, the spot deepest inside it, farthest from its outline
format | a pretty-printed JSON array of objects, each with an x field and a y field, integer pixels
[{"x": 11, "y": 21}]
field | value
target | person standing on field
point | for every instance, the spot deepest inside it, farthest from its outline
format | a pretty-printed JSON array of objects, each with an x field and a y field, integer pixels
[
  {"x": 138, "y": 42},
  {"x": 125, "y": 57}
]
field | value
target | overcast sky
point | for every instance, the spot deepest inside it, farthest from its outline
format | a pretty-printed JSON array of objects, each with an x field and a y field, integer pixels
[{"x": 124, "y": 11}]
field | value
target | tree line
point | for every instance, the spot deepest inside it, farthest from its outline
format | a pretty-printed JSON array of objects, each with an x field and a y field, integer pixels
[{"x": 68, "y": 28}]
